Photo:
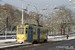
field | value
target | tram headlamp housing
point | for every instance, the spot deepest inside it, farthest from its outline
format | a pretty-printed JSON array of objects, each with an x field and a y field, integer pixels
[
  {"x": 17, "y": 38},
  {"x": 23, "y": 38}
]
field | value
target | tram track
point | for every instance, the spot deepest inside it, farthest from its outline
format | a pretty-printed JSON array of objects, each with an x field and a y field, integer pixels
[
  {"x": 30, "y": 46},
  {"x": 24, "y": 46},
  {"x": 11, "y": 46},
  {"x": 43, "y": 45}
]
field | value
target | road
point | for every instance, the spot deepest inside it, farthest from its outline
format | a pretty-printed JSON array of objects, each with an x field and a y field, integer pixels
[{"x": 62, "y": 45}]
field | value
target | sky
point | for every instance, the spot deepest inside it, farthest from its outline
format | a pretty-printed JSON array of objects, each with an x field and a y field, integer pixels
[{"x": 39, "y": 4}]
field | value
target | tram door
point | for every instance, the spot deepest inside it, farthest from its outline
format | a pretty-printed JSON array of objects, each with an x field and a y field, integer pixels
[
  {"x": 30, "y": 35},
  {"x": 38, "y": 35}
]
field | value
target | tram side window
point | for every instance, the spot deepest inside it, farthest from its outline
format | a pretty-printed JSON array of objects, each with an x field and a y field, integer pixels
[
  {"x": 34, "y": 31},
  {"x": 44, "y": 32},
  {"x": 41, "y": 31},
  {"x": 30, "y": 30},
  {"x": 26, "y": 30}
]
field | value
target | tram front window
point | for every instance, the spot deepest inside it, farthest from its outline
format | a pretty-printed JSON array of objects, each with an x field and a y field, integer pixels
[{"x": 20, "y": 30}]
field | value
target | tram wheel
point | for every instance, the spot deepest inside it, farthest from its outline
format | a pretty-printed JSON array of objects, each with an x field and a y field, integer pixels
[
  {"x": 22, "y": 43},
  {"x": 45, "y": 40},
  {"x": 35, "y": 42}
]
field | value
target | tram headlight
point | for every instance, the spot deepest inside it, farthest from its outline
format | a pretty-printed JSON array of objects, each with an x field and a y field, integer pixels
[
  {"x": 23, "y": 38},
  {"x": 17, "y": 38}
]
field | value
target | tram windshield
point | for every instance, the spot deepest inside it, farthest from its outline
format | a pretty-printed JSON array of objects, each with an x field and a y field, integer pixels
[{"x": 20, "y": 30}]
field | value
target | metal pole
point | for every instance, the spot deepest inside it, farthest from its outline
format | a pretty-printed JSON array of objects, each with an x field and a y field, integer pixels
[
  {"x": 5, "y": 33},
  {"x": 22, "y": 13},
  {"x": 6, "y": 26},
  {"x": 26, "y": 13},
  {"x": 6, "y": 21},
  {"x": 43, "y": 20}
]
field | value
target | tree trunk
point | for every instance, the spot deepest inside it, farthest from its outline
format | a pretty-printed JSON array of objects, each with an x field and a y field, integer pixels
[
  {"x": 61, "y": 31},
  {"x": 11, "y": 29},
  {"x": 64, "y": 31}
]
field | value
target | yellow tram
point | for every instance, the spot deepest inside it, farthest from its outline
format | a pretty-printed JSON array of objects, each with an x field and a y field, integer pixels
[{"x": 31, "y": 34}]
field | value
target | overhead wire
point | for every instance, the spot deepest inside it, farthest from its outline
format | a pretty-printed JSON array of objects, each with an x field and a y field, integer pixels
[
  {"x": 27, "y": 1},
  {"x": 11, "y": 5}
]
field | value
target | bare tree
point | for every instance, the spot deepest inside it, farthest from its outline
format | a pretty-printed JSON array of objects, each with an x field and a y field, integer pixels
[{"x": 59, "y": 20}]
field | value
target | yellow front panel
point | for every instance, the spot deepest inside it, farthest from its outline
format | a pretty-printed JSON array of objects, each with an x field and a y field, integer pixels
[{"x": 20, "y": 37}]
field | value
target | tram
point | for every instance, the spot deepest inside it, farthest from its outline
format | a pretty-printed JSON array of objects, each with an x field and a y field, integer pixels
[{"x": 31, "y": 34}]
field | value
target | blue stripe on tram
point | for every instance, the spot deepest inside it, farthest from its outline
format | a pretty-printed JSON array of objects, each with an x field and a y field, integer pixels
[{"x": 29, "y": 35}]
